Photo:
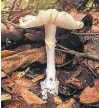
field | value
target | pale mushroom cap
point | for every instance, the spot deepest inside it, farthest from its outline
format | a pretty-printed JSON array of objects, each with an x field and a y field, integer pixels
[
  {"x": 66, "y": 21},
  {"x": 29, "y": 21},
  {"x": 51, "y": 16}
]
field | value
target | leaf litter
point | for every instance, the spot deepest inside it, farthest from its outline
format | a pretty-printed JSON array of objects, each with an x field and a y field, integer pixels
[{"x": 23, "y": 62}]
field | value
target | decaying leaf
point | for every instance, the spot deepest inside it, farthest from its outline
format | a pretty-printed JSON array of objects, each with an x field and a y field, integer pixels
[
  {"x": 3, "y": 74},
  {"x": 23, "y": 48},
  {"x": 75, "y": 82},
  {"x": 36, "y": 36},
  {"x": 95, "y": 29},
  {"x": 60, "y": 59},
  {"x": 68, "y": 104},
  {"x": 96, "y": 82},
  {"x": 16, "y": 104},
  {"x": 6, "y": 53},
  {"x": 37, "y": 78},
  {"x": 3, "y": 28},
  {"x": 93, "y": 48},
  {"x": 57, "y": 100},
  {"x": 90, "y": 95},
  {"x": 22, "y": 82},
  {"x": 29, "y": 97},
  {"x": 5, "y": 97},
  {"x": 16, "y": 76},
  {"x": 27, "y": 57}
]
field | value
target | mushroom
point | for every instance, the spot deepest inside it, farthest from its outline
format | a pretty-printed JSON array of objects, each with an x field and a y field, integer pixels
[{"x": 50, "y": 18}]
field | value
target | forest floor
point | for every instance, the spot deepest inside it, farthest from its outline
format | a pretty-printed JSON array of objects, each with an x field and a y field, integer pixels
[{"x": 23, "y": 57}]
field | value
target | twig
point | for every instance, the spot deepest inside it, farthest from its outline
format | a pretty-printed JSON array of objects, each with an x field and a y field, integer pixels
[
  {"x": 78, "y": 54},
  {"x": 11, "y": 9},
  {"x": 91, "y": 70},
  {"x": 74, "y": 75}
]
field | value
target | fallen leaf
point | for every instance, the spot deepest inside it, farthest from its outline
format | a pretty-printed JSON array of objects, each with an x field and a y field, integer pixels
[
  {"x": 6, "y": 87},
  {"x": 35, "y": 36},
  {"x": 29, "y": 97},
  {"x": 37, "y": 78},
  {"x": 15, "y": 89},
  {"x": 75, "y": 82},
  {"x": 6, "y": 53},
  {"x": 16, "y": 76},
  {"x": 23, "y": 48},
  {"x": 96, "y": 82},
  {"x": 95, "y": 29},
  {"x": 16, "y": 104},
  {"x": 57, "y": 100},
  {"x": 22, "y": 82},
  {"x": 5, "y": 97},
  {"x": 3, "y": 28},
  {"x": 89, "y": 95},
  {"x": 3, "y": 74},
  {"x": 60, "y": 59},
  {"x": 27, "y": 57},
  {"x": 68, "y": 104},
  {"x": 11, "y": 28}
]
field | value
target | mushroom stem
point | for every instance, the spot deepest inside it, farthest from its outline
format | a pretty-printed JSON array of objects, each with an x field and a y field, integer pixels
[
  {"x": 50, "y": 84},
  {"x": 50, "y": 40}
]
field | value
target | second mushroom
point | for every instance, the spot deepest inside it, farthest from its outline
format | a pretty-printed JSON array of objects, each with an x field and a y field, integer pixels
[{"x": 50, "y": 18}]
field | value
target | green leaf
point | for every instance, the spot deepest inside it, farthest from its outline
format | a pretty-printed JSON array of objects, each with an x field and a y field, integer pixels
[
  {"x": 47, "y": 3},
  {"x": 90, "y": 4},
  {"x": 4, "y": 5},
  {"x": 24, "y": 4}
]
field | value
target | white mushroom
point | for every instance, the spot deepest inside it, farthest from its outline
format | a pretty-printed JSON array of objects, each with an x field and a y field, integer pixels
[{"x": 50, "y": 18}]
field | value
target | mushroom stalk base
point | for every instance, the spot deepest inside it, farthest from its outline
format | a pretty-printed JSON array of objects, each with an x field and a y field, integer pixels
[
  {"x": 50, "y": 84},
  {"x": 49, "y": 87}
]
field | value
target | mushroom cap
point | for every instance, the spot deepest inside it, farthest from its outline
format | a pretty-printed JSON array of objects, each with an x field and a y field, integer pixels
[
  {"x": 51, "y": 16},
  {"x": 65, "y": 20}
]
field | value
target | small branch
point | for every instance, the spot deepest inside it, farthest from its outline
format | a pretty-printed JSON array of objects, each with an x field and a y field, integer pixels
[
  {"x": 78, "y": 54},
  {"x": 11, "y": 9}
]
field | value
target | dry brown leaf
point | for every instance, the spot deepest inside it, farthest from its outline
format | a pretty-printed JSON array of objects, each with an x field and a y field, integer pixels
[
  {"x": 57, "y": 100},
  {"x": 92, "y": 95},
  {"x": 96, "y": 82},
  {"x": 15, "y": 104},
  {"x": 95, "y": 15},
  {"x": 29, "y": 97},
  {"x": 5, "y": 97},
  {"x": 3, "y": 74},
  {"x": 76, "y": 82},
  {"x": 95, "y": 29},
  {"x": 35, "y": 36},
  {"x": 25, "y": 83},
  {"x": 16, "y": 76},
  {"x": 37, "y": 78},
  {"x": 60, "y": 59},
  {"x": 3, "y": 28},
  {"x": 92, "y": 48},
  {"x": 68, "y": 104},
  {"x": 6, "y": 53},
  {"x": 78, "y": 17},
  {"x": 23, "y": 48},
  {"x": 98, "y": 71},
  {"x": 27, "y": 57}
]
